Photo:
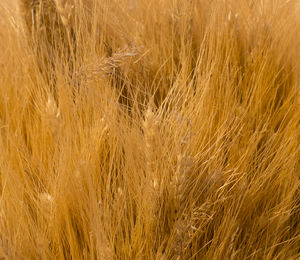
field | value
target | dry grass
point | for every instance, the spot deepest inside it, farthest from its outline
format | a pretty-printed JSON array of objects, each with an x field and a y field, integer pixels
[{"x": 149, "y": 129}]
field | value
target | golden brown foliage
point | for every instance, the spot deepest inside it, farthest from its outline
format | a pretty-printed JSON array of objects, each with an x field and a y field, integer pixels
[{"x": 161, "y": 129}]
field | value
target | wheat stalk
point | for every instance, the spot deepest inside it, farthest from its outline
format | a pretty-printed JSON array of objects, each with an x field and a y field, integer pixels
[
  {"x": 106, "y": 66},
  {"x": 150, "y": 127},
  {"x": 65, "y": 9}
]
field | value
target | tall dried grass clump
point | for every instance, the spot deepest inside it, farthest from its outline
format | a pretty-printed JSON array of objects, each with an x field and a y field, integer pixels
[{"x": 149, "y": 130}]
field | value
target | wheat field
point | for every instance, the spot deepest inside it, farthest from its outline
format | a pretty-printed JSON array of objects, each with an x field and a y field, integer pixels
[{"x": 161, "y": 129}]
